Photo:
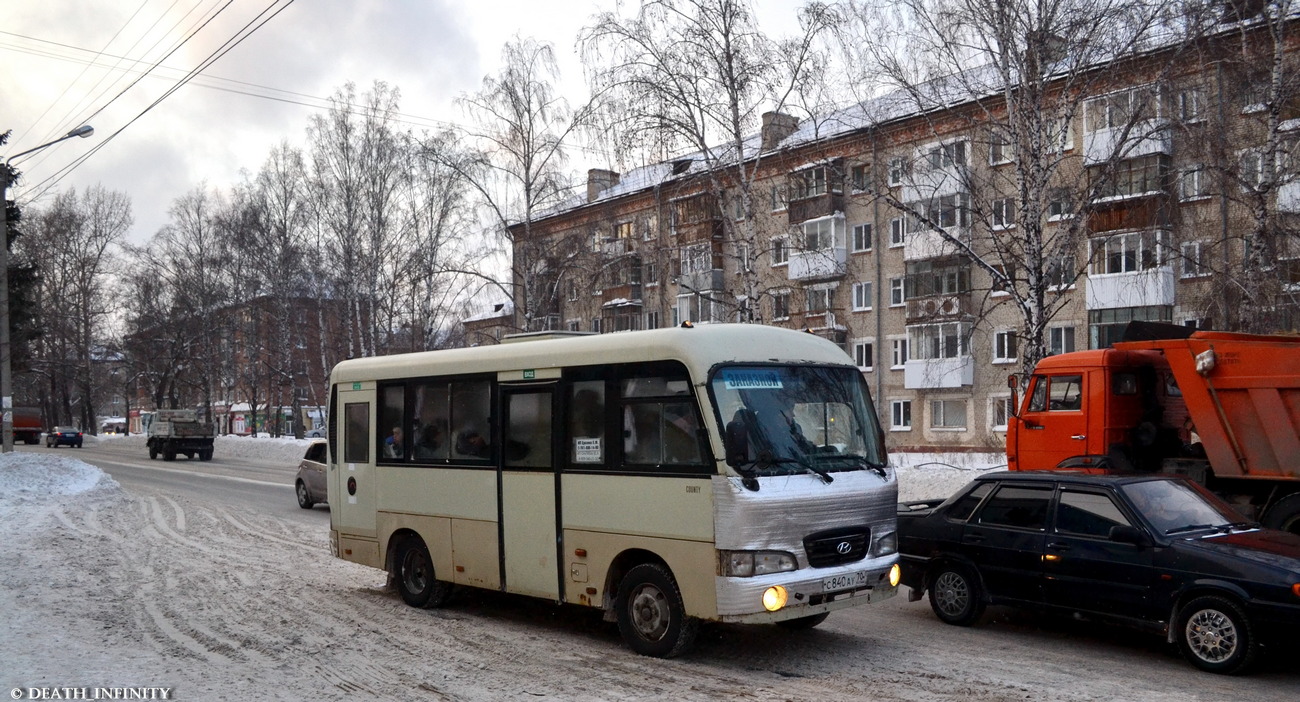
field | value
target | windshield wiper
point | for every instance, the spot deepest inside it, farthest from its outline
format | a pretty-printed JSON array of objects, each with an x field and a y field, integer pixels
[
  {"x": 878, "y": 468},
  {"x": 1190, "y": 527},
  {"x": 766, "y": 459}
]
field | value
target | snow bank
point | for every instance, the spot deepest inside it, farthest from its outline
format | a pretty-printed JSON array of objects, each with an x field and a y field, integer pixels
[
  {"x": 262, "y": 447},
  {"x": 924, "y": 476},
  {"x": 30, "y": 475}
]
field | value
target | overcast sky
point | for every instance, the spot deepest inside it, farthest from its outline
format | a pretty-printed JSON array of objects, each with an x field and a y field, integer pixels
[{"x": 65, "y": 62}]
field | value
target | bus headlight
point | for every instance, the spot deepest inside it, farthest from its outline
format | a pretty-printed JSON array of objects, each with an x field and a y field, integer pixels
[
  {"x": 746, "y": 564},
  {"x": 886, "y": 545},
  {"x": 895, "y": 575},
  {"x": 774, "y": 598}
]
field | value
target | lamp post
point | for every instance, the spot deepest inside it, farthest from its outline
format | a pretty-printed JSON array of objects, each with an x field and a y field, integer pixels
[{"x": 6, "y": 374}]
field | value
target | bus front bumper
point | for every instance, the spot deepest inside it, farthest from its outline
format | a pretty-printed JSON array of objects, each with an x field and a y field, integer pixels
[{"x": 808, "y": 592}]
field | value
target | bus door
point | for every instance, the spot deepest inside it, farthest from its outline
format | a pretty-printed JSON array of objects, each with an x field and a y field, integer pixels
[
  {"x": 529, "y": 491},
  {"x": 352, "y": 474}
]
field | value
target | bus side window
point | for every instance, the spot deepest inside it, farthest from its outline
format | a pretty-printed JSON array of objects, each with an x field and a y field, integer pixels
[
  {"x": 586, "y": 420},
  {"x": 470, "y": 404},
  {"x": 356, "y": 432},
  {"x": 392, "y": 440}
]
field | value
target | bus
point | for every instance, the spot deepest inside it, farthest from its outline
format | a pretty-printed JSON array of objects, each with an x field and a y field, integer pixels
[{"x": 724, "y": 472}]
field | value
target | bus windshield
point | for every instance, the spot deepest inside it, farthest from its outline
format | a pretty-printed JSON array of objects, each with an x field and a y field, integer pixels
[{"x": 782, "y": 420}]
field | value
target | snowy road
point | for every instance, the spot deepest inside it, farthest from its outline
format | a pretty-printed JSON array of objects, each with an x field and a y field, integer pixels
[{"x": 155, "y": 586}]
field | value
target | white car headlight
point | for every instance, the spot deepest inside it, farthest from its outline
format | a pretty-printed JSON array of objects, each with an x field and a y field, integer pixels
[
  {"x": 745, "y": 564},
  {"x": 885, "y": 544}
]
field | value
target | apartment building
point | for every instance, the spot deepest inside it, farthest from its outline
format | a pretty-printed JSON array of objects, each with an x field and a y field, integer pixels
[{"x": 907, "y": 233}]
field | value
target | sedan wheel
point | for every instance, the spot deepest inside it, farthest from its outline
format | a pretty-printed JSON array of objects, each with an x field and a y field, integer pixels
[
  {"x": 1215, "y": 635},
  {"x": 955, "y": 596},
  {"x": 304, "y": 497}
]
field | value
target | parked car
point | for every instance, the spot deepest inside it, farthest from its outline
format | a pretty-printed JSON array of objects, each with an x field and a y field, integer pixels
[
  {"x": 317, "y": 433},
  {"x": 63, "y": 436},
  {"x": 1156, "y": 551},
  {"x": 310, "y": 483}
]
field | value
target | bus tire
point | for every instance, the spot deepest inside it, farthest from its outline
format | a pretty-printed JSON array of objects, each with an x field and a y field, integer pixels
[
  {"x": 651, "y": 616},
  {"x": 1285, "y": 514},
  {"x": 413, "y": 572}
]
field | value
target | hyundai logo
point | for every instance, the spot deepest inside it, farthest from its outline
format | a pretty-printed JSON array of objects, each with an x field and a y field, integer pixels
[{"x": 843, "y": 548}]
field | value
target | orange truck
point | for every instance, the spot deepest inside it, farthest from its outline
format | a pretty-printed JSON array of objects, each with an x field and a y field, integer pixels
[
  {"x": 1221, "y": 408},
  {"x": 28, "y": 425}
]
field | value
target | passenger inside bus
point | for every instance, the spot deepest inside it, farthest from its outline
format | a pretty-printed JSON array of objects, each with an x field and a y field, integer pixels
[
  {"x": 471, "y": 443},
  {"x": 393, "y": 444}
]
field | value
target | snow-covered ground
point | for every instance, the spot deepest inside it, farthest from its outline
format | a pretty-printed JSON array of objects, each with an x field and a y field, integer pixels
[{"x": 102, "y": 586}]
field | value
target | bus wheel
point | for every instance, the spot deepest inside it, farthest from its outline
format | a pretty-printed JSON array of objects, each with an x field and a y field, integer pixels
[
  {"x": 413, "y": 571},
  {"x": 802, "y": 623},
  {"x": 651, "y": 616}
]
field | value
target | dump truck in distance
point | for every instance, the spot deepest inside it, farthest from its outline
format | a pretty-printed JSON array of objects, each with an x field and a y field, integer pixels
[
  {"x": 179, "y": 432},
  {"x": 27, "y": 425},
  {"x": 1221, "y": 408}
]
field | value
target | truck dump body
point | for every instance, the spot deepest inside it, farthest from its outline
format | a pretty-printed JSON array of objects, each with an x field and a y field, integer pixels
[{"x": 1244, "y": 400}]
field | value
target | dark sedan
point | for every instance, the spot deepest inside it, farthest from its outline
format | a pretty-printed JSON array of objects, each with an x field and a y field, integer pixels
[
  {"x": 63, "y": 436},
  {"x": 1155, "y": 551}
]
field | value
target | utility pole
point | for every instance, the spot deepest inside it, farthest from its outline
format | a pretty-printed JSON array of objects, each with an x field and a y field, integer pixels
[{"x": 7, "y": 179}]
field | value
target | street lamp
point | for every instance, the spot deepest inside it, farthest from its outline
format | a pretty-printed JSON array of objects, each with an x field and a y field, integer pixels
[{"x": 6, "y": 374}]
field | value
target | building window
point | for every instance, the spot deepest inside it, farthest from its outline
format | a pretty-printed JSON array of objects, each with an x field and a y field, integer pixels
[
  {"x": 652, "y": 320},
  {"x": 814, "y": 181},
  {"x": 1126, "y": 253},
  {"x": 862, "y": 237},
  {"x": 946, "y": 155},
  {"x": 1105, "y": 327},
  {"x": 947, "y": 414},
  {"x": 1000, "y": 284},
  {"x": 573, "y": 325},
  {"x": 897, "y": 231},
  {"x": 651, "y": 227},
  {"x": 898, "y": 353},
  {"x": 862, "y": 296},
  {"x": 1193, "y": 183},
  {"x": 1004, "y": 346},
  {"x": 780, "y": 251},
  {"x": 697, "y": 258},
  {"x": 1000, "y": 412},
  {"x": 1061, "y": 271},
  {"x": 1193, "y": 266},
  {"x": 819, "y": 235},
  {"x": 781, "y": 305},
  {"x": 1120, "y": 109},
  {"x": 1060, "y": 340},
  {"x": 572, "y": 287},
  {"x": 896, "y": 296},
  {"x": 861, "y": 177},
  {"x": 595, "y": 324},
  {"x": 818, "y": 300},
  {"x": 897, "y": 171},
  {"x": 1000, "y": 150},
  {"x": 777, "y": 197},
  {"x": 900, "y": 415},
  {"x": 1004, "y": 213},
  {"x": 651, "y": 273},
  {"x": 936, "y": 341},
  {"x": 623, "y": 230},
  {"x": 1059, "y": 204},
  {"x": 949, "y": 211},
  {"x": 864, "y": 353},
  {"x": 744, "y": 260},
  {"x": 927, "y": 278},
  {"x": 1189, "y": 105},
  {"x": 1136, "y": 176}
]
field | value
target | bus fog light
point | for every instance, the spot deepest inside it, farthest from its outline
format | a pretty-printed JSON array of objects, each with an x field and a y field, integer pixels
[
  {"x": 774, "y": 598},
  {"x": 895, "y": 575}
]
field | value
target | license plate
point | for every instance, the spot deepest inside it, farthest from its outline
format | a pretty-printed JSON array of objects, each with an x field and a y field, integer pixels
[{"x": 847, "y": 581}]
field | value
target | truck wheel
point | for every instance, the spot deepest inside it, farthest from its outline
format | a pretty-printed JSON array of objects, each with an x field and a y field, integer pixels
[
  {"x": 955, "y": 595},
  {"x": 413, "y": 571},
  {"x": 651, "y": 616},
  {"x": 205, "y": 455},
  {"x": 153, "y": 452},
  {"x": 1215, "y": 635},
  {"x": 1285, "y": 514}
]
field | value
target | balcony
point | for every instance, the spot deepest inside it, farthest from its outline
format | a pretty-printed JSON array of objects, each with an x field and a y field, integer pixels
[
  {"x": 1146, "y": 211},
  {"x": 618, "y": 247},
  {"x": 929, "y": 243},
  {"x": 933, "y": 183},
  {"x": 938, "y": 308},
  {"x": 697, "y": 281},
  {"x": 822, "y": 263},
  {"x": 823, "y": 205},
  {"x": 621, "y": 295},
  {"x": 1146, "y": 288},
  {"x": 703, "y": 230},
  {"x": 939, "y": 373},
  {"x": 1147, "y": 137}
]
